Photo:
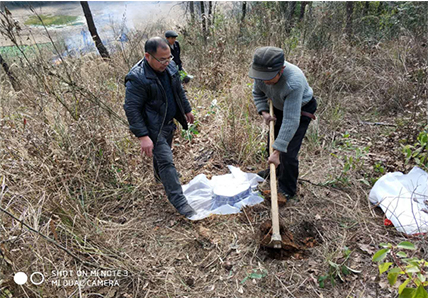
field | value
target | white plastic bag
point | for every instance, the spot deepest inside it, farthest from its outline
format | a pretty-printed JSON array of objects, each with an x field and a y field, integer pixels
[
  {"x": 404, "y": 199},
  {"x": 225, "y": 194}
]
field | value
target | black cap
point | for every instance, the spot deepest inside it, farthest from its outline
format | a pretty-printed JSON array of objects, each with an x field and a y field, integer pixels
[
  {"x": 267, "y": 62},
  {"x": 170, "y": 33}
]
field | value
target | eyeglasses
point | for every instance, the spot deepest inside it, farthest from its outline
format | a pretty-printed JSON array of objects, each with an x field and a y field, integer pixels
[{"x": 163, "y": 61}]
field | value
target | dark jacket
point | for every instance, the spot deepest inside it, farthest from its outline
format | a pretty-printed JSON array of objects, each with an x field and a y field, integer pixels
[
  {"x": 176, "y": 53},
  {"x": 146, "y": 102}
]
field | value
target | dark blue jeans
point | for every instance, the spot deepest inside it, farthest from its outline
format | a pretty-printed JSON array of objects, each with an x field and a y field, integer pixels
[
  {"x": 288, "y": 170},
  {"x": 164, "y": 167}
]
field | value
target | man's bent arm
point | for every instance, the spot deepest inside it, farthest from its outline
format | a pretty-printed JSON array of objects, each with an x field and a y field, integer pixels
[{"x": 290, "y": 121}]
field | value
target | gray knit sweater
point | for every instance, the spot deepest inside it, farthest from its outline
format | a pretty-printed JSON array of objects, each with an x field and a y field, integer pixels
[{"x": 289, "y": 94}]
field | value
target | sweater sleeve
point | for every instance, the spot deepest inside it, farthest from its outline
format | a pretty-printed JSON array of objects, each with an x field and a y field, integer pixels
[
  {"x": 291, "y": 119},
  {"x": 260, "y": 99}
]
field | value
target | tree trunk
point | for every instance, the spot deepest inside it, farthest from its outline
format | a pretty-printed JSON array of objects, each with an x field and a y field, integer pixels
[
  {"x": 290, "y": 14},
  {"x": 204, "y": 20},
  {"x": 283, "y": 7},
  {"x": 192, "y": 12},
  {"x": 241, "y": 23},
  {"x": 291, "y": 9},
  {"x": 380, "y": 8},
  {"x": 349, "y": 13},
  {"x": 302, "y": 10},
  {"x": 366, "y": 8},
  {"x": 93, "y": 30},
  {"x": 244, "y": 11},
  {"x": 10, "y": 75},
  {"x": 210, "y": 12}
]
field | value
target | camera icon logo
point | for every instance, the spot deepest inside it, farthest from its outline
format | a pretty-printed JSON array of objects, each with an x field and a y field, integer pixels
[
  {"x": 36, "y": 278},
  {"x": 20, "y": 278}
]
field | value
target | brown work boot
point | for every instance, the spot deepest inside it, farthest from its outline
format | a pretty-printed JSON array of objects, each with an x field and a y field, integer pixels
[{"x": 282, "y": 198}]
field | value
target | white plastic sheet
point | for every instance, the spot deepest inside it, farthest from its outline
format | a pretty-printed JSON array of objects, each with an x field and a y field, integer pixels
[
  {"x": 225, "y": 194},
  {"x": 404, "y": 199}
]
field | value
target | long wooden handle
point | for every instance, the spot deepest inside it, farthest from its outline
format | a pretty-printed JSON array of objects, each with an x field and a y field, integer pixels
[{"x": 276, "y": 236}]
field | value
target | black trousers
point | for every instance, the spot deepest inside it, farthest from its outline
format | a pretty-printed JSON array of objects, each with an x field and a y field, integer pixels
[
  {"x": 164, "y": 168},
  {"x": 288, "y": 170}
]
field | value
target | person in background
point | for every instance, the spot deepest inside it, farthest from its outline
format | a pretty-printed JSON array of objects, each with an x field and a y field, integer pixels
[
  {"x": 294, "y": 107},
  {"x": 171, "y": 36},
  {"x": 154, "y": 98}
]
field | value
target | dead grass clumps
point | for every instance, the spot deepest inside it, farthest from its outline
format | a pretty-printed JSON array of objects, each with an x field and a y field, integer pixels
[{"x": 71, "y": 171}]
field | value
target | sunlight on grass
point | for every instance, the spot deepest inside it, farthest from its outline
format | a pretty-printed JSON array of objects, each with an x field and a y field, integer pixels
[{"x": 49, "y": 20}]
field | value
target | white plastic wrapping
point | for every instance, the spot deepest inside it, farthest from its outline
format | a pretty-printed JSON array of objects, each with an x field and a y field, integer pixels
[
  {"x": 225, "y": 194},
  {"x": 404, "y": 199}
]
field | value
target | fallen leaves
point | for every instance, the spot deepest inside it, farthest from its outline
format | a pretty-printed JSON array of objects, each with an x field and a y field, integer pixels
[{"x": 368, "y": 248}]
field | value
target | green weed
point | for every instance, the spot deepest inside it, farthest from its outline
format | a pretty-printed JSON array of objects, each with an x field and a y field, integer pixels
[
  {"x": 191, "y": 132},
  {"x": 351, "y": 162},
  {"x": 419, "y": 151},
  {"x": 337, "y": 269},
  {"x": 413, "y": 269},
  {"x": 49, "y": 20},
  {"x": 255, "y": 275}
]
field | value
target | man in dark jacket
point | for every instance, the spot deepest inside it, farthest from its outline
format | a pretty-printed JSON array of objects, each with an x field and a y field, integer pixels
[
  {"x": 171, "y": 36},
  {"x": 154, "y": 97}
]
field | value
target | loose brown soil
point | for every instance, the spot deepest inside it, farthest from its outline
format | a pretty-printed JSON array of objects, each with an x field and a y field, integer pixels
[{"x": 294, "y": 244}]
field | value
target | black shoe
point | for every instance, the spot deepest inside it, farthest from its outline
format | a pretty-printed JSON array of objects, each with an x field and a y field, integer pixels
[
  {"x": 186, "y": 210},
  {"x": 264, "y": 174}
]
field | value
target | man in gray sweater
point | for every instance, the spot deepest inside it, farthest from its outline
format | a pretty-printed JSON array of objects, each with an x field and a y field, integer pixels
[{"x": 294, "y": 107}]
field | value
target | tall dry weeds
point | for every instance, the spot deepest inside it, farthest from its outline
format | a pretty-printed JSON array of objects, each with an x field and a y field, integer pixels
[{"x": 72, "y": 172}]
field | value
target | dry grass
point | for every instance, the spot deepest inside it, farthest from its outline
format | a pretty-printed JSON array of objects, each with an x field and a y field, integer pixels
[{"x": 77, "y": 176}]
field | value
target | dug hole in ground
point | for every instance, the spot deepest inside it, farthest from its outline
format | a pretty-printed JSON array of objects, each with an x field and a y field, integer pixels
[{"x": 229, "y": 193}]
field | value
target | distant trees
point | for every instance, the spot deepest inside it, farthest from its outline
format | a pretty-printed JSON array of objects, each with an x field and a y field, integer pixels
[
  {"x": 291, "y": 9},
  {"x": 317, "y": 25},
  {"x": 244, "y": 11},
  {"x": 357, "y": 20},
  {"x": 366, "y": 7},
  {"x": 192, "y": 12},
  {"x": 349, "y": 13},
  {"x": 93, "y": 30},
  {"x": 302, "y": 10},
  {"x": 210, "y": 13},
  {"x": 204, "y": 20},
  {"x": 242, "y": 20},
  {"x": 202, "y": 12}
]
